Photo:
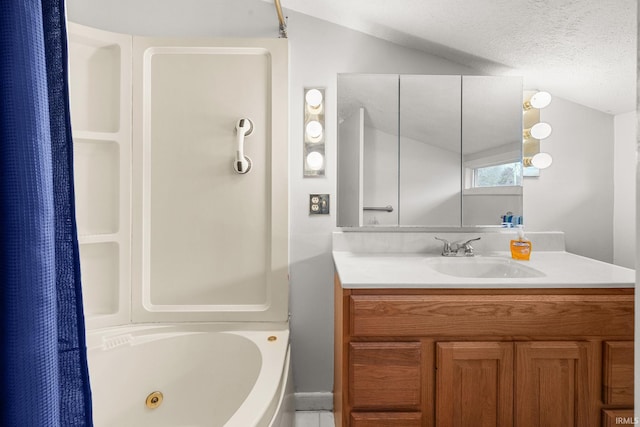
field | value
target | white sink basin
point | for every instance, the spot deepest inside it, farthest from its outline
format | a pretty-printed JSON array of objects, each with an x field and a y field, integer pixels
[{"x": 482, "y": 267}]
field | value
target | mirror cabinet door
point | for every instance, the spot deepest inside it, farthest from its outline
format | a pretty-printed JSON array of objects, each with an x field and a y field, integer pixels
[
  {"x": 491, "y": 148},
  {"x": 430, "y": 151},
  {"x": 367, "y": 150}
]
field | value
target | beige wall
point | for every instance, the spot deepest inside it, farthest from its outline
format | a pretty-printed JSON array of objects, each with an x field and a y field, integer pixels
[{"x": 575, "y": 194}]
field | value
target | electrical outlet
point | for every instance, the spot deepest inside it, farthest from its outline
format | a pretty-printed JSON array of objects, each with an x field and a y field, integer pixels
[{"x": 318, "y": 204}]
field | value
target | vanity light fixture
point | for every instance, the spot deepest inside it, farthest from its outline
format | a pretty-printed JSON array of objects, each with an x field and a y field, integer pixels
[
  {"x": 534, "y": 131},
  {"x": 314, "y": 132}
]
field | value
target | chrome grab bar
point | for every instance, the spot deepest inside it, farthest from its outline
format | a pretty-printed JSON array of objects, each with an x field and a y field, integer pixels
[{"x": 387, "y": 208}]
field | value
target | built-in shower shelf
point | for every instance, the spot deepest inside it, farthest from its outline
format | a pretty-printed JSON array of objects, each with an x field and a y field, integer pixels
[
  {"x": 96, "y": 136},
  {"x": 98, "y": 238},
  {"x": 101, "y": 271},
  {"x": 100, "y": 103}
]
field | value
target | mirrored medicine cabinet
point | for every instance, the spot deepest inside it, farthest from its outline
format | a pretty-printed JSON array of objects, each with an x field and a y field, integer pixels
[{"x": 428, "y": 150}]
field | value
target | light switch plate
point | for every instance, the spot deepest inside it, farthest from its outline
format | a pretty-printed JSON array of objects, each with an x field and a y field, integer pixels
[{"x": 318, "y": 204}]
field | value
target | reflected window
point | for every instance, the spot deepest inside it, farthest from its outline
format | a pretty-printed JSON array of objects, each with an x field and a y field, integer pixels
[{"x": 506, "y": 174}]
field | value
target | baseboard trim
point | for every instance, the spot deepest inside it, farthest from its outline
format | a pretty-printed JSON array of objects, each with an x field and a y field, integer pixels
[{"x": 319, "y": 401}]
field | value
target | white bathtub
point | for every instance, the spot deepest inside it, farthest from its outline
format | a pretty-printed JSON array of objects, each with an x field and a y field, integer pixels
[{"x": 208, "y": 374}]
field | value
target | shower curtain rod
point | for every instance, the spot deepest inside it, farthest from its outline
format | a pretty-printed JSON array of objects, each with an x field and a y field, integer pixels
[{"x": 281, "y": 19}]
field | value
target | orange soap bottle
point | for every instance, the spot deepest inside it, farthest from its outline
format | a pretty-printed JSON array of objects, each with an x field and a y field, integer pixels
[{"x": 520, "y": 248}]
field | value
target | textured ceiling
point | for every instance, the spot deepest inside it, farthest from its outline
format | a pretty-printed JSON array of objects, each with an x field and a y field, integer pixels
[{"x": 581, "y": 50}]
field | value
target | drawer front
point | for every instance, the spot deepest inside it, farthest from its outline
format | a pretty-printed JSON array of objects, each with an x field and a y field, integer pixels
[
  {"x": 617, "y": 375},
  {"x": 385, "y": 376},
  {"x": 386, "y": 419},
  {"x": 491, "y": 315}
]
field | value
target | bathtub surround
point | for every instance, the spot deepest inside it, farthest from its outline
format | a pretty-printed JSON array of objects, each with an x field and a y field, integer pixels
[
  {"x": 208, "y": 240},
  {"x": 195, "y": 222},
  {"x": 44, "y": 380},
  {"x": 341, "y": 50}
]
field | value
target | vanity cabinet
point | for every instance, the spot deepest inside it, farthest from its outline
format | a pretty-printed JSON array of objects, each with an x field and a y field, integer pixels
[{"x": 482, "y": 357}]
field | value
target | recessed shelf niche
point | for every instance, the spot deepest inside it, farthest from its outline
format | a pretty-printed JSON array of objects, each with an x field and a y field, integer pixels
[
  {"x": 100, "y": 103},
  {"x": 97, "y": 185},
  {"x": 95, "y": 90},
  {"x": 100, "y": 268}
]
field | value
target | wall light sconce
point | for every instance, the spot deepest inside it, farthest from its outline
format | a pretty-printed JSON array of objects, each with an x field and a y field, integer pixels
[
  {"x": 314, "y": 132},
  {"x": 533, "y": 132}
]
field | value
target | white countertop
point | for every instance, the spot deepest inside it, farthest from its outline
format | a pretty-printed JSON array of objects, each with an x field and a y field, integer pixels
[{"x": 360, "y": 270}]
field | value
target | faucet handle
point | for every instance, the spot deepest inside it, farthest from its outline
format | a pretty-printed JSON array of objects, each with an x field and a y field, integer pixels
[
  {"x": 446, "y": 250},
  {"x": 470, "y": 240},
  {"x": 468, "y": 249},
  {"x": 445, "y": 241}
]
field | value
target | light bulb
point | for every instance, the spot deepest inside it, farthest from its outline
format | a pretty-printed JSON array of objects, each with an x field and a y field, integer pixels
[
  {"x": 314, "y": 129},
  {"x": 315, "y": 160},
  {"x": 540, "y": 130},
  {"x": 313, "y": 98},
  {"x": 538, "y": 100},
  {"x": 540, "y": 161}
]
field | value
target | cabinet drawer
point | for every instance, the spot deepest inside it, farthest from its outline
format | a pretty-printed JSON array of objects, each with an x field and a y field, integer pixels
[
  {"x": 617, "y": 384},
  {"x": 491, "y": 315},
  {"x": 617, "y": 417},
  {"x": 385, "y": 375},
  {"x": 386, "y": 419}
]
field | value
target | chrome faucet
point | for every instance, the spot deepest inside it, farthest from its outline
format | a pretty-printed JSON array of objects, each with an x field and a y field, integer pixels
[{"x": 452, "y": 249}]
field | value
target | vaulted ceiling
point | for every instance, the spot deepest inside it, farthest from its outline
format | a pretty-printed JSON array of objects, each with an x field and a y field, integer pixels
[{"x": 581, "y": 50}]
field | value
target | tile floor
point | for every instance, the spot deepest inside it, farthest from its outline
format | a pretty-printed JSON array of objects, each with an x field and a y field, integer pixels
[{"x": 314, "y": 419}]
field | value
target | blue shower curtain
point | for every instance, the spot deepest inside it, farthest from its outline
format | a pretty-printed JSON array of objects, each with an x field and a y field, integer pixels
[{"x": 43, "y": 368}]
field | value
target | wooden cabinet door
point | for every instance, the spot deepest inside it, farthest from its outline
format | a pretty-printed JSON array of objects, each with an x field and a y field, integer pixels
[
  {"x": 474, "y": 385},
  {"x": 552, "y": 384},
  {"x": 385, "y": 376}
]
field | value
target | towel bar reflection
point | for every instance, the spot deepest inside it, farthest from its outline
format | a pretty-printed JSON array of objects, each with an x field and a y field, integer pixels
[{"x": 387, "y": 208}]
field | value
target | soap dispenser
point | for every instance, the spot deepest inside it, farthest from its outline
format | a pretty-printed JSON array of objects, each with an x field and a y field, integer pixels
[{"x": 521, "y": 247}]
